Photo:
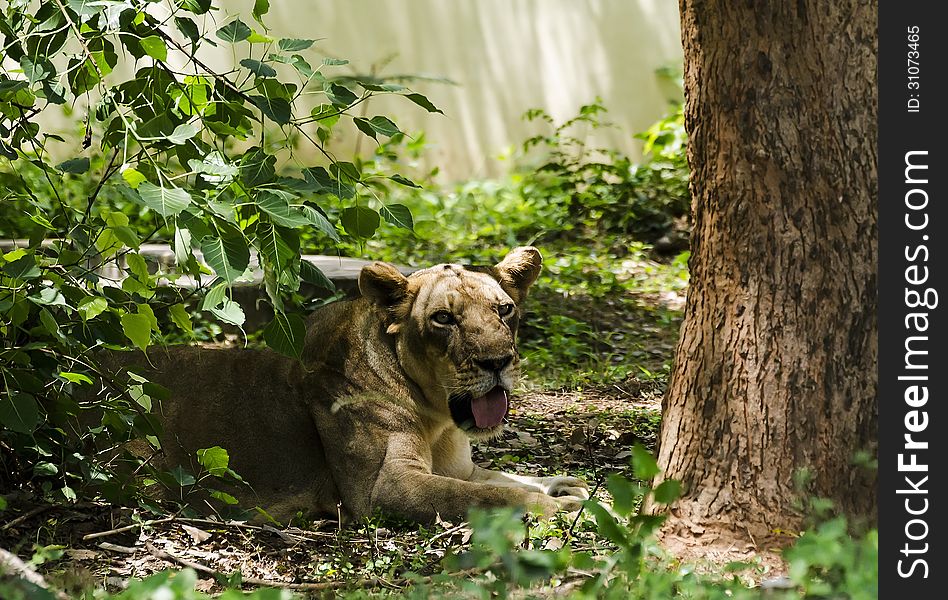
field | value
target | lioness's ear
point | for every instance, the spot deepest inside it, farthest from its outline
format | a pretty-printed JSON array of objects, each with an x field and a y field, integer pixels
[
  {"x": 519, "y": 270},
  {"x": 382, "y": 284}
]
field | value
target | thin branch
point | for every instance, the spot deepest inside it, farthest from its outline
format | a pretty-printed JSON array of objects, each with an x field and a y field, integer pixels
[
  {"x": 82, "y": 40},
  {"x": 27, "y": 515},
  {"x": 99, "y": 534},
  {"x": 105, "y": 177},
  {"x": 11, "y": 564}
]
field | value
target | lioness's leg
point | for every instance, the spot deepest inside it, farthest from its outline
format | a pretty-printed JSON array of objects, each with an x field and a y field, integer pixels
[
  {"x": 552, "y": 486},
  {"x": 405, "y": 487}
]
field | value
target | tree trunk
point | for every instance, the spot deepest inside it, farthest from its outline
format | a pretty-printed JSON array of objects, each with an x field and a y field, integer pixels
[{"x": 775, "y": 371}]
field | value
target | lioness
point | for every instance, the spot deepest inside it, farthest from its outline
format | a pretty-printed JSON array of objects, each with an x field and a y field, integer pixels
[{"x": 379, "y": 412}]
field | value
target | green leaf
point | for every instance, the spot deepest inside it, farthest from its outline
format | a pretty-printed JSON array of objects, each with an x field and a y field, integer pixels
[
  {"x": 198, "y": 7},
  {"x": 133, "y": 177},
  {"x": 260, "y": 8},
  {"x": 180, "y": 317},
  {"x": 318, "y": 220},
  {"x": 294, "y": 45},
  {"x": 19, "y": 412},
  {"x": 278, "y": 248},
  {"x": 625, "y": 494},
  {"x": 154, "y": 47},
  {"x": 74, "y": 165},
  {"x": 214, "y": 296},
  {"x": 92, "y": 306},
  {"x": 285, "y": 334},
  {"x": 14, "y": 254},
  {"x": 257, "y": 168},
  {"x": 302, "y": 67},
  {"x": 326, "y": 114},
  {"x": 606, "y": 524},
  {"x": 182, "y": 133},
  {"x": 320, "y": 178},
  {"x": 340, "y": 95},
  {"x": 258, "y": 68},
  {"x": 644, "y": 466},
  {"x": 360, "y": 222},
  {"x": 137, "y": 266},
  {"x": 167, "y": 202},
  {"x": 75, "y": 377},
  {"x": 223, "y": 497},
  {"x": 213, "y": 168},
  {"x": 667, "y": 491},
  {"x": 404, "y": 181},
  {"x": 48, "y": 321},
  {"x": 343, "y": 170},
  {"x": 335, "y": 62},
  {"x": 215, "y": 459},
  {"x": 227, "y": 255},
  {"x": 147, "y": 310},
  {"x": 182, "y": 477},
  {"x": 398, "y": 215},
  {"x": 259, "y": 38},
  {"x": 137, "y": 328},
  {"x": 276, "y": 109},
  {"x": 311, "y": 274},
  {"x": 364, "y": 127},
  {"x": 235, "y": 31},
  {"x": 280, "y": 211},
  {"x": 68, "y": 493},
  {"x": 24, "y": 267},
  {"x": 188, "y": 27},
  {"x": 45, "y": 469},
  {"x": 82, "y": 75},
  {"x": 384, "y": 126},
  {"x": 423, "y": 102},
  {"x": 230, "y": 312}
]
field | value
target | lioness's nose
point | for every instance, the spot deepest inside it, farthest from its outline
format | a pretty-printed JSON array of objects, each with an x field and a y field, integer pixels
[{"x": 494, "y": 364}]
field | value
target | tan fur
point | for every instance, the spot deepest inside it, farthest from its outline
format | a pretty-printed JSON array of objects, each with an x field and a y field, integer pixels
[{"x": 363, "y": 421}]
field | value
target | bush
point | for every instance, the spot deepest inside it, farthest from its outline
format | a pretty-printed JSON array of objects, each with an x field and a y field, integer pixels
[{"x": 174, "y": 152}]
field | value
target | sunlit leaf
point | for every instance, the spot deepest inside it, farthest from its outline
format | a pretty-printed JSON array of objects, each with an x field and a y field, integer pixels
[
  {"x": 154, "y": 47},
  {"x": 166, "y": 201},
  {"x": 228, "y": 255},
  {"x": 215, "y": 459},
  {"x": 137, "y": 328}
]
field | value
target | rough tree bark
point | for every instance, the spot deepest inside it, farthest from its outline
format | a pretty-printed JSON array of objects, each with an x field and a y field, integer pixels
[{"x": 775, "y": 369}]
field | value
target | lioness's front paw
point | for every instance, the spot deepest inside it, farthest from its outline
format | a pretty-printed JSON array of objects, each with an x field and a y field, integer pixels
[
  {"x": 567, "y": 486},
  {"x": 546, "y": 506}
]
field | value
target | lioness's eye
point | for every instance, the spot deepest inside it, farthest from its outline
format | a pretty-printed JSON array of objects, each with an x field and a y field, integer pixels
[
  {"x": 443, "y": 317},
  {"x": 505, "y": 309}
]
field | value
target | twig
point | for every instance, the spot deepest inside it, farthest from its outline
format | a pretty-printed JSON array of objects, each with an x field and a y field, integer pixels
[
  {"x": 27, "y": 515},
  {"x": 117, "y": 548},
  {"x": 99, "y": 534},
  {"x": 446, "y": 533},
  {"x": 579, "y": 513},
  {"x": 11, "y": 564}
]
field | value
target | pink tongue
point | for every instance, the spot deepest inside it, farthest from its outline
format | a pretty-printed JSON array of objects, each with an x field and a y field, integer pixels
[{"x": 490, "y": 409}]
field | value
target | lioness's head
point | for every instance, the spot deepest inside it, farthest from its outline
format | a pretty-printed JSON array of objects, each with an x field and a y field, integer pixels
[{"x": 455, "y": 330}]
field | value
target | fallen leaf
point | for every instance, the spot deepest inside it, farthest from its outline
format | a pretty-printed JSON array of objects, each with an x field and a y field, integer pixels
[{"x": 199, "y": 536}]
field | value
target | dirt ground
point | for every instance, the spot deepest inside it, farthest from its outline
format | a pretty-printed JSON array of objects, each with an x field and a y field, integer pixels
[{"x": 586, "y": 432}]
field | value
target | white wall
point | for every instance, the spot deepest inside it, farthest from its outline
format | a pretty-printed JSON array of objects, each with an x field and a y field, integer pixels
[{"x": 507, "y": 56}]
